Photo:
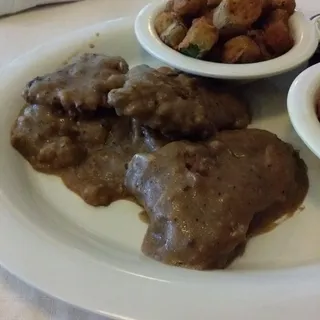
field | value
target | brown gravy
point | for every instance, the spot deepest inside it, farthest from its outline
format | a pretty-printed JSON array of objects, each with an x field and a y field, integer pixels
[
  {"x": 79, "y": 86},
  {"x": 90, "y": 155},
  {"x": 202, "y": 201},
  {"x": 205, "y": 200}
]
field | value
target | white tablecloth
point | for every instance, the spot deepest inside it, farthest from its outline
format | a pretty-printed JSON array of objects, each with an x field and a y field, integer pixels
[
  {"x": 9, "y": 7},
  {"x": 19, "y": 34}
]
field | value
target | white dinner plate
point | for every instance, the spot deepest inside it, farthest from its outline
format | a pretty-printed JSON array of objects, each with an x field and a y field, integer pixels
[{"x": 90, "y": 257}]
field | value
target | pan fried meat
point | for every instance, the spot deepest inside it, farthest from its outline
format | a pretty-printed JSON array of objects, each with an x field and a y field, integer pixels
[
  {"x": 47, "y": 140},
  {"x": 202, "y": 199},
  {"x": 99, "y": 179},
  {"x": 176, "y": 144},
  {"x": 177, "y": 105},
  {"x": 80, "y": 86},
  {"x": 89, "y": 155}
]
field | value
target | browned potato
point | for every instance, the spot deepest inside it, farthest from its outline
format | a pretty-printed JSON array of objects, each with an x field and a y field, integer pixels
[
  {"x": 213, "y": 3},
  {"x": 208, "y": 14},
  {"x": 188, "y": 7},
  {"x": 241, "y": 49},
  {"x": 270, "y": 16},
  {"x": 200, "y": 38},
  {"x": 232, "y": 31},
  {"x": 277, "y": 14},
  {"x": 266, "y": 5},
  {"x": 164, "y": 20},
  {"x": 169, "y": 6},
  {"x": 278, "y": 38},
  {"x": 237, "y": 13},
  {"x": 258, "y": 37},
  {"x": 174, "y": 34},
  {"x": 288, "y": 5}
]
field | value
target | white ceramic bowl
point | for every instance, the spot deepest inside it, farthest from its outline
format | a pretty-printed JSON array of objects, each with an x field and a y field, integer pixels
[
  {"x": 303, "y": 30},
  {"x": 302, "y": 107}
]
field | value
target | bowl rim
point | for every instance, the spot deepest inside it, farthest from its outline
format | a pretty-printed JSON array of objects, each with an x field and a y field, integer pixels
[
  {"x": 301, "y": 104},
  {"x": 304, "y": 33}
]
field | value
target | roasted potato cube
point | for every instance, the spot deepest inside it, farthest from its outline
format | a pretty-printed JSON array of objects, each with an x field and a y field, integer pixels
[
  {"x": 266, "y": 5},
  {"x": 174, "y": 34},
  {"x": 241, "y": 49},
  {"x": 213, "y": 3},
  {"x": 164, "y": 20},
  {"x": 288, "y": 5},
  {"x": 232, "y": 31},
  {"x": 208, "y": 14},
  {"x": 188, "y": 7},
  {"x": 278, "y": 38},
  {"x": 258, "y": 37},
  {"x": 277, "y": 14},
  {"x": 270, "y": 16},
  {"x": 200, "y": 38},
  {"x": 237, "y": 13},
  {"x": 169, "y": 6}
]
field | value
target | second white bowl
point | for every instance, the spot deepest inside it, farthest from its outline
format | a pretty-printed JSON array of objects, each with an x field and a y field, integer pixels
[{"x": 302, "y": 99}]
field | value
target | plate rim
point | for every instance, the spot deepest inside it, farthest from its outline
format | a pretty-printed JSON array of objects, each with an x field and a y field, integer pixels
[{"x": 71, "y": 283}]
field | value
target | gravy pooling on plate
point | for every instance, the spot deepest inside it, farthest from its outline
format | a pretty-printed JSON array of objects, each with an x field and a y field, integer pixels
[
  {"x": 205, "y": 198},
  {"x": 90, "y": 155}
]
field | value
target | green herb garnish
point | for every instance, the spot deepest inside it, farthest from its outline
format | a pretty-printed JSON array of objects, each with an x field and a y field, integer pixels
[{"x": 192, "y": 51}]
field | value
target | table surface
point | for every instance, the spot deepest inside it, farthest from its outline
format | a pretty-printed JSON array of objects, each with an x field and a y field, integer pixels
[{"x": 19, "y": 34}]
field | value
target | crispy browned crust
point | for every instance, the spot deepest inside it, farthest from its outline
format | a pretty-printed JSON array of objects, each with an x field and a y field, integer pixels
[
  {"x": 278, "y": 38},
  {"x": 201, "y": 35},
  {"x": 241, "y": 49},
  {"x": 188, "y": 7}
]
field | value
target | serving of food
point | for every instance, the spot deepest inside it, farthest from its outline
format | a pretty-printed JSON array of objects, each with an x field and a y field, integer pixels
[
  {"x": 227, "y": 39},
  {"x": 176, "y": 144},
  {"x": 118, "y": 171},
  {"x": 227, "y": 31}
]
